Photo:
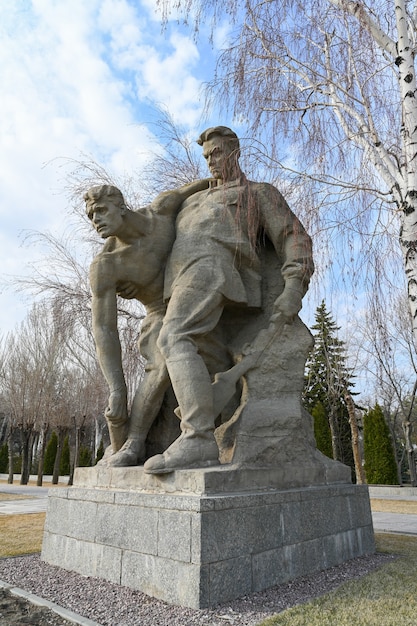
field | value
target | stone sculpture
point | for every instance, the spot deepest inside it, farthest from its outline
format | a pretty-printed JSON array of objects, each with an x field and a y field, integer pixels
[{"x": 223, "y": 295}]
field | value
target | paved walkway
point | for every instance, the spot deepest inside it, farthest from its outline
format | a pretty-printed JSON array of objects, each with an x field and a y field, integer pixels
[
  {"x": 20, "y": 507},
  {"x": 35, "y": 501},
  {"x": 401, "y": 523},
  {"x": 404, "y": 524}
]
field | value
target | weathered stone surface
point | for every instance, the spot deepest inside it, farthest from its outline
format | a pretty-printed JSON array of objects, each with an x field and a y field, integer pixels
[
  {"x": 222, "y": 266},
  {"x": 315, "y": 469},
  {"x": 200, "y": 549}
]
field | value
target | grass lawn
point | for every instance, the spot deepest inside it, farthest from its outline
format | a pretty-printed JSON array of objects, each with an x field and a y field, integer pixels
[
  {"x": 21, "y": 534},
  {"x": 394, "y": 506}
]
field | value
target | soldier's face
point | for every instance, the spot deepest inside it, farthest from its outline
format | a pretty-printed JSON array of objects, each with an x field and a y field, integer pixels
[
  {"x": 219, "y": 157},
  {"x": 106, "y": 217}
]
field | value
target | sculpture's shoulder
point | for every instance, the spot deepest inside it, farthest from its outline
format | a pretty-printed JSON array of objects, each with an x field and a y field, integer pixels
[
  {"x": 266, "y": 193},
  {"x": 101, "y": 259},
  {"x": 273, "y": 209},
  {"x": 110, "y": 245}
]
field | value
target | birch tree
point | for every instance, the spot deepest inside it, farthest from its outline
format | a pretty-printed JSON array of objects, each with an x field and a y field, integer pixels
[{"x": 332, "y": 83}]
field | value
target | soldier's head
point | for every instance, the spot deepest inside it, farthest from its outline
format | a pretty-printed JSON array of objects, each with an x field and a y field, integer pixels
[
  {"x": 221, "y": 149},
  {"x": 106, "y": 208}
]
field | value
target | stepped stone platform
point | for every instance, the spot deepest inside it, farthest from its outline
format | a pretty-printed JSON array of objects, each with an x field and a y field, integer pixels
[{"x": 198, "y": 538}]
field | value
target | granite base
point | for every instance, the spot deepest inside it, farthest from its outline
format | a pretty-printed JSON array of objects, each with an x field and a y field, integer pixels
[{"x": 199, "y": 549}]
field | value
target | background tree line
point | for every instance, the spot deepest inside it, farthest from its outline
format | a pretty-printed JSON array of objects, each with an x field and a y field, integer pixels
[
  {"x": 370, "y": 439},
  {"x": 52, "y": 390}
]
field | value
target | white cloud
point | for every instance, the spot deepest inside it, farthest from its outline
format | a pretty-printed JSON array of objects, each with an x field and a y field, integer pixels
[
  {"x": 168, "y": 79},
  {"x": 74, "y": 78}
]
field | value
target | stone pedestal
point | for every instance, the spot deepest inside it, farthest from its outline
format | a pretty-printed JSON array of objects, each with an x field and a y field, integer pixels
[{"x": 196, "y": 541}]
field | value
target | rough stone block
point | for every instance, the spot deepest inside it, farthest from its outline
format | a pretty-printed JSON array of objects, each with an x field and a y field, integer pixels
[
  {"x": 174, "y": 535},
  {"x": 86, "y": 558},
  {"x": 268, "y": 568},
  {"x": 175, "y": 582},
  {"x": 123, "y": 527},
  {"x": 226, "y": 534},
  {"x": 229, "y": 579}
]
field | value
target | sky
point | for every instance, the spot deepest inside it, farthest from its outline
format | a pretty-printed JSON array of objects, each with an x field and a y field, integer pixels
[{"x": 82, "y": 78}]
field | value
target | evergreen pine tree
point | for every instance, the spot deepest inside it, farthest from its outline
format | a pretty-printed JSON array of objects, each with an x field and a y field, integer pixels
[
  {"x": 85, "y": 457},
  {"x": 4, "y": 458},
  {"x": 380, "y": 465},
  {"x": 64, "y": 465},
  {"x": 322, "y": 430},
  {"x": 50, "y": 454},
  {"x": 327, "y": 378}
]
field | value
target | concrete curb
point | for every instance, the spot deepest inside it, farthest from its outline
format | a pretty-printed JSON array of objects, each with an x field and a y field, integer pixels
[{"x": 70, "y": 616}]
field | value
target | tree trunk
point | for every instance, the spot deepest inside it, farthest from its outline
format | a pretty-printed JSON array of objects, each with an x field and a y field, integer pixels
[
  {"x": 26, "y": 439},
  {"x": 354, "y": 429},
  {"x": 97, "y": 436},
  {"x": 3, "y": 428},
  {"x": 399, "y": 469},
  {"x": 76, "y": 459},
  {"x": 407, "y": 428},
  {"x": 11, "y": 456},
  {"x": 41, "y": 456},
  {"x": 60, "y": 438},
  {"x": 334, "y": 434},
  {"x": 398, "y": 461}
]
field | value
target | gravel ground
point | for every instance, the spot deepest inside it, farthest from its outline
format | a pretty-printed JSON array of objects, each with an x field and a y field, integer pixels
[{"x": 113, "y": 605}]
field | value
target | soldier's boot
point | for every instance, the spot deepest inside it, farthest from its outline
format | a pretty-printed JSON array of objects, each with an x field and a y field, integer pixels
[
  {"x": 118, "y": 430},
  {"x": 131, "y": 453},
  {"x": 196, "y": 446}
]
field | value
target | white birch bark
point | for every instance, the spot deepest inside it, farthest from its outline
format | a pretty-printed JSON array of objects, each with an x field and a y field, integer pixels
[
  {"x": 404, "y": 184},
  {"x": 407, "y": 81}
]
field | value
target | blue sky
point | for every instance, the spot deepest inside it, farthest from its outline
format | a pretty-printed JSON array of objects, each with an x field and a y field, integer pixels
[{"x": 80, "y": 78}]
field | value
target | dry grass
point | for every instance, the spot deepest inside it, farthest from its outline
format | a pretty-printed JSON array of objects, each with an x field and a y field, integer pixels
[
  {"x": 21, "y": 534},
  {"x": 12, "y": 496},
  {"x": 394, "y": 506}
]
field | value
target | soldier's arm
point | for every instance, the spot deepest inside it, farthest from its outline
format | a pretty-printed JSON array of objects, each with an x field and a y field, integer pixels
[
  {"x": 106, "y": 336},
  {"x": 165, "y": 206},
  {"x": 292, "y": 244},
  {"x": 169, "y": 202}
]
